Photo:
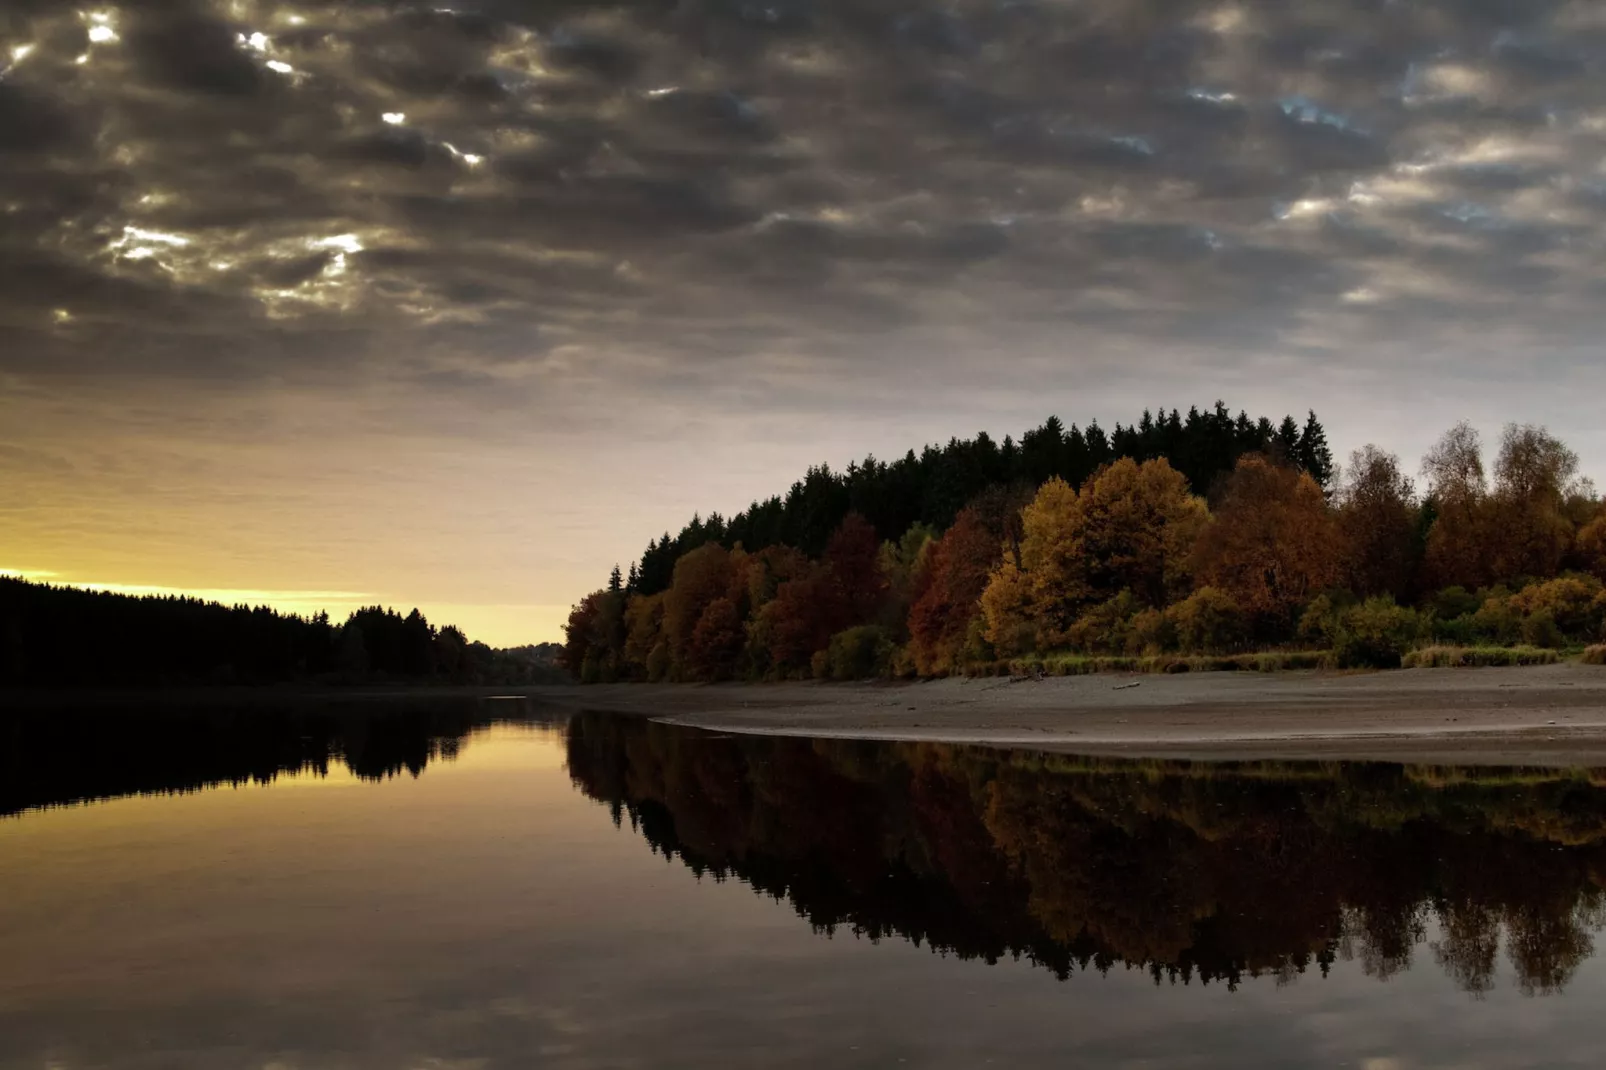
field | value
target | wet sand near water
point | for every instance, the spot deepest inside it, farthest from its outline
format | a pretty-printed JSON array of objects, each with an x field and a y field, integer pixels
[{"x": 1553, "y": 715}]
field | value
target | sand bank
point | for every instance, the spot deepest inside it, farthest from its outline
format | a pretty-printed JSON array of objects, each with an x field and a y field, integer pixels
[{"x": 1548, "y": 715}]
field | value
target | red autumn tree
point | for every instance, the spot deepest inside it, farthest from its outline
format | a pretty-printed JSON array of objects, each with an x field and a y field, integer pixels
[
  {"x": 956, "y": 575},
  {"x": 799, "y": 620},
  {"x": 853, "y": 558},
  {"x": 716, "y": 642}
]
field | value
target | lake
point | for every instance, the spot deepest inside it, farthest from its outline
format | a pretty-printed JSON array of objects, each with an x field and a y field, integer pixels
[{"x": 481, "y": 884}]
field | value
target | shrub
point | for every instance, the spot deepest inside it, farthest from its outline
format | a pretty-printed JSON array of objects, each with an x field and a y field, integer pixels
[
  {"x": 1104, "y": 628},
  {"x": 1595, "y": 655},
  {"x": 976, "y": 647},
  {"x": 591, "y": 670},
  {"x": 1571, "y": 604},
  {"x": 1151, "y": 633},
  {"x": 857, "y": 654},
  {"x": 1375, "y": 634},
  {"x": 1319, "y": 620},
  {"x": 658, "y": 662},
  {"x": 1458, "y": 631},
  {"x": 1453, "y": 602},
  {"x": 1540, "y": 629},
  {"x": 1208, "y": 621},
  {"x": 1496, "y": 621}
]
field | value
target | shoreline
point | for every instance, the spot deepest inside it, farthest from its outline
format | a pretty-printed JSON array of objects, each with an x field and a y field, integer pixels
[{"x": 1552, "y": 715}]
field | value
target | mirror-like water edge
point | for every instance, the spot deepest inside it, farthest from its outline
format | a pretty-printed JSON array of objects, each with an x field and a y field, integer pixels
[
  {"x": 1196, "y": 872},
  {"x": 1193, "y": 871}
]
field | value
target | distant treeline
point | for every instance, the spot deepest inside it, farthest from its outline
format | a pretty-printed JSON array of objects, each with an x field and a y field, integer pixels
[
  {"x": 1208, "y": 535},
  {"x": 64, "y": 636}
]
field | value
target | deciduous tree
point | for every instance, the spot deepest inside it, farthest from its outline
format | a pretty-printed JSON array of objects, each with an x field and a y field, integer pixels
[
  {"x": 958, "y": 567},
  {"x": 1377, "y": 524},
  {"x": 1272, "y": 544}
]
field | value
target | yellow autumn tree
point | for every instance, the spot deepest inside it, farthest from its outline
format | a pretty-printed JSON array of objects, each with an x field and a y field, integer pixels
[
  {"x": 1138, "y": 529},
  {"x": 1041, "y": 594},
  {"x": 1132, "y": 528}
]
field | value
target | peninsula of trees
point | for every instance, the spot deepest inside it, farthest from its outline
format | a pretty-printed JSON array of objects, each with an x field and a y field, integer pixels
[
  {"x": 63, "y": 636},
  {"x": 1203, "y": 535}
]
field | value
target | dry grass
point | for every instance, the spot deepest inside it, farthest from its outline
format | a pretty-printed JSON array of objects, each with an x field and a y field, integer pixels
[
  {"x": 1087, "y": 664},
  {"x": 1594, "y": 655},
  {"x": 1473, "y": 657}
]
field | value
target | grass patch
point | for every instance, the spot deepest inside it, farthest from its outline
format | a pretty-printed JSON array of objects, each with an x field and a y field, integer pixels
[
  {"x": 1472, "y": 657},
  {"x": 1430, "y": 657},
  {"x": 1088, "y": 664}
]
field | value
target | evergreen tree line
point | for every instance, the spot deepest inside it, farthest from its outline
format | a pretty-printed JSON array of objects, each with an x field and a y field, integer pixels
[
  {"x": 1134, "y": 561},
  {"x": 930, "y": 488},
  {"x": 54, "y": 636}
]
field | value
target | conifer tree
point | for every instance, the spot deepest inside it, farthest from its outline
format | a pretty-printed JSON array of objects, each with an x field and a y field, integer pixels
[{"x": 1313, "y": 454}]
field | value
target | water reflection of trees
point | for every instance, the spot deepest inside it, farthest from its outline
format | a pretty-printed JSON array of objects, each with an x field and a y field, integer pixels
[
  {"x": 54, "y": 757},
  {"x": 1190, "y": 871}
]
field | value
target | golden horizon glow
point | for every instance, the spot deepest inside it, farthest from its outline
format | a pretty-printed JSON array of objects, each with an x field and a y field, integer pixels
[{"x": 498, "y": 625}]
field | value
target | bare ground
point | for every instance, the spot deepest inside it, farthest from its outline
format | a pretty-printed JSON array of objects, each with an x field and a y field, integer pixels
[{"x": 1553, "y": 715}]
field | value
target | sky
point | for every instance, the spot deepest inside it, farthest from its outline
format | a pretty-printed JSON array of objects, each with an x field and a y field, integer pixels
[{"x": 324, "y": 304}]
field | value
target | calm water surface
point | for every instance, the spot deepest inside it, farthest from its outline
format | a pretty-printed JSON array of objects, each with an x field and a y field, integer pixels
[{"x": 443, "y": 887}]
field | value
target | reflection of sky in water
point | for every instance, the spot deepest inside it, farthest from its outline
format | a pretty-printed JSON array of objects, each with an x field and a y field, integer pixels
[{"x": 487, "y": 914}]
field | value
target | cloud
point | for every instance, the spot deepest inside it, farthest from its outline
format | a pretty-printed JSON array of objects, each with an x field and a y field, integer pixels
[
  {"x": 583, "y": 212},
  {"x": 627, "y": 179}
]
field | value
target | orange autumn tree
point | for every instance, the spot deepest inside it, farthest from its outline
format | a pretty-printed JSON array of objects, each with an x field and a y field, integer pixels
[
  {"x": 1590, "y": 546},
  {"x": 1272, "y": 543},
  {"x": 704, "y": 577},
  {"x": 956, "y": 575}
]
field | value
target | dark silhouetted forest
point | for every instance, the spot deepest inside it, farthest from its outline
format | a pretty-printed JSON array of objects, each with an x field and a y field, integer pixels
[
  {"x": 1174, "y": 544},
  {"x": 63, "y": 636},
  {"x": 1194, "y": 872}
]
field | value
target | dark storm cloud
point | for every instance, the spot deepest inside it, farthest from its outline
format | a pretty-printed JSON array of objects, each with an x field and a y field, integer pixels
[{"x": 245, "y": 187}]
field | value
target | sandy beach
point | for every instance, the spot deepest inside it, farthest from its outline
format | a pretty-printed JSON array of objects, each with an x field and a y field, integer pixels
[{"x": 1551, "y": 715}]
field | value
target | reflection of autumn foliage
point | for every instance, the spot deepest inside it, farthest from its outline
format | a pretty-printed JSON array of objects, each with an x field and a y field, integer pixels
[{"x": 1184, "y": 870}]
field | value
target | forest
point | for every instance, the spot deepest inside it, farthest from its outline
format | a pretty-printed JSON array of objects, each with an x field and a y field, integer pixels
[
  {"x": 1196, "y": 872},
  {"x": 1175, "y": 544},
  {"x": 54, "y": 636}
]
